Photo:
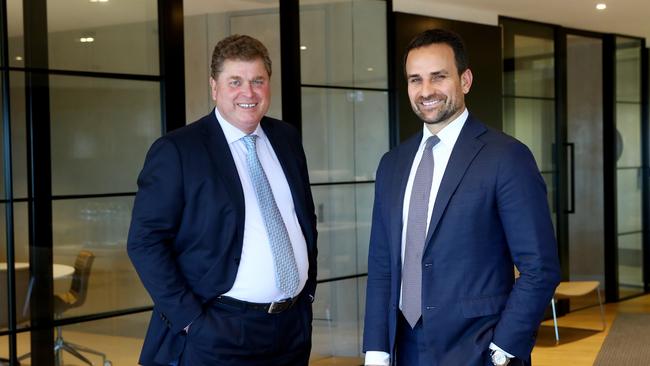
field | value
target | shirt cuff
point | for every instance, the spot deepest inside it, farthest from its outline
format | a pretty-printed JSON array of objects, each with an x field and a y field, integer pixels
[
  {"x": 377, "y": 358},
  {"x": 494, "y": 347}
]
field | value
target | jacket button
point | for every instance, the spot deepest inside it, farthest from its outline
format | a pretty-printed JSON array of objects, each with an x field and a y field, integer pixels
[
  {"x": 427, "y": 266},
  {"x": 431, "y": 308}
]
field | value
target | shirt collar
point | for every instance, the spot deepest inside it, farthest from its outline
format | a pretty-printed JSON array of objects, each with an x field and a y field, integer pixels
[
  {"x": 233, "y": 133},
  {"x": 449, "y": 134}
]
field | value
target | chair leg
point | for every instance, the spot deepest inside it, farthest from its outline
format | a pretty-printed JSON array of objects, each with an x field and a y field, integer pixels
[
  {"x": 602, "y": 310},
  {"x": 75, "y": 353},
  {"x": 557, "y": 334}
]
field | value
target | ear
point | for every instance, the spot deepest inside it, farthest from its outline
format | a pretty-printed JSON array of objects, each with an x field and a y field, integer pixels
[
  {"x": 213, "y": 88},
  {"x": 466, "y": 79}
]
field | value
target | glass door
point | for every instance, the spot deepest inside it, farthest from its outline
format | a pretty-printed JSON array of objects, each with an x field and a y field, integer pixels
[
  {"x": 584, "y": 149},
  {"x": 629, "y": 172}
]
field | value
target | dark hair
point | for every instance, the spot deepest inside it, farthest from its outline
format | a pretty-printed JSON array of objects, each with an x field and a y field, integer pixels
[
  {"x": 436, "y": 36},
  {"x": 238, "y": 47}
]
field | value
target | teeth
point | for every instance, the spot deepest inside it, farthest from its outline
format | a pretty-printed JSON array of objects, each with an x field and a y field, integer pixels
[
  {"x": 428, "y": 103},
  {"x": 247, "y": 105}
]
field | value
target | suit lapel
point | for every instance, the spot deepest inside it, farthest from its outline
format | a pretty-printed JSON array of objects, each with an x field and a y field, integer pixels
[
  {"x": 405, "y": 157},
  {"x": 224, "y": 165},
  {"x": 465, "y": 149}
]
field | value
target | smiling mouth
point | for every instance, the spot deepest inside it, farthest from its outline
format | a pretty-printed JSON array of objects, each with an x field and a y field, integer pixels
[
  {"x": 429, "y": 103},
  {"x": 247, "y": 105}
]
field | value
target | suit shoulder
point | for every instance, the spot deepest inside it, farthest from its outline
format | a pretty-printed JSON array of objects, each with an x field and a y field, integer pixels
[
  {"x": 280, "y": 125},
  {"x": 502, "y": 142}
]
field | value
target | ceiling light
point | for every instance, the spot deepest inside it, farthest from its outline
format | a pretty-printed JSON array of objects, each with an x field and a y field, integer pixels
[
  {"x": 302, "y": 48},
  {"x": 19, "y": 58},
  {"x": 86, "y": 39},
  {"x": 370, "y": 69},
  {"x": 601, "y": 6},
  {"x": 98, "y": 1}
]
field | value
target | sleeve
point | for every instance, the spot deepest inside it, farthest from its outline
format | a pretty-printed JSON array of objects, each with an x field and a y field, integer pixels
[
  {"x": 157, "y": 213},
  {"x": 375, "y": 335},
  {"x": 526, "y": 220}
]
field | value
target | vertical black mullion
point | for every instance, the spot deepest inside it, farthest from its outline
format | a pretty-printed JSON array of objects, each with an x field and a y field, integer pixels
[
  {"x": 8, "y": 182},
  {"x": 172, "y": 64},
  {"x": 39, "y": 180},
  {"x": 609, "y": 168},
  {"x": 560, "y": 179},
  {"x": 645, "y": 148},
  {"x": 392, "y": 69},
  {"x": 290, "y": 62}
]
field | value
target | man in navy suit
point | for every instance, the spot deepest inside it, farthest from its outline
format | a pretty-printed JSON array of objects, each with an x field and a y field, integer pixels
[
  {"x": 223, "y": 234},
  {"x": 457, "y": 206}
]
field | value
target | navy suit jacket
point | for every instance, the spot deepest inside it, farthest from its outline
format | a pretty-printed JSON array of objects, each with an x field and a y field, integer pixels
[
  {"x": 187, "y": 228},
  {"x": 490, "y": 213}
]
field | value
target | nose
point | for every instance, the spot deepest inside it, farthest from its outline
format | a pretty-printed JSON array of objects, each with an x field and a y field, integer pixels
[
  {"x": 428, "y": 88},
  {"x": 247, "y": 89}
]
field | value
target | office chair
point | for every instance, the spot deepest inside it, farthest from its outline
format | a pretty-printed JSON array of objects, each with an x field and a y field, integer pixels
[
  {"x": 568, "y": 289},
  {"x": 74, "y": 298}
]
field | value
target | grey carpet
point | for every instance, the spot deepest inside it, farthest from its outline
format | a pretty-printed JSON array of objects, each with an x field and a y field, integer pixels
[{"x": 628, "y": 342}]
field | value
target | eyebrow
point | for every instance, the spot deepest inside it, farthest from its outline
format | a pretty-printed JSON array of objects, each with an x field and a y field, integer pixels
[{"x": 435, "y": 73}]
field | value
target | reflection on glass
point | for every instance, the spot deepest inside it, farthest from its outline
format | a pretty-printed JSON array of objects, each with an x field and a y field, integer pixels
[
  {"x": 629, "y": 178},
  {"x": 628, "y": 70},
  {"x": 344, "y": 215},
  {"x": 338, "y": 319},
  {"x": 205, "y": 24},
  {"x": 103, "y": 36},
  {"x": 345, "y": 132},
  {"x": 630, "y": 268},
  {"x": 629, "y": 186},
  {"x": 628, "y": 125},
  {"x": 343, "y": 43},
  {"x": 98, "y": 225},
  {"x": 529, "y": 95},
  {"x": 532, "y": 121},
  {"x": 101, "y": 131},
  {"x": 533, "y": 73},
  {"x": 120, "y": 339},
  {"x": 21, "y": 257},
  {"x": 15, "y": 33},
  {"x": 18, "y": 137}
]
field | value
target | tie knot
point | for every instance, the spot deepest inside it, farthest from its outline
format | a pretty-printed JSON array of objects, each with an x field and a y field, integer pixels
[
  {"x": 249, "y": 141},
  {"x": 431, "y": 142}
]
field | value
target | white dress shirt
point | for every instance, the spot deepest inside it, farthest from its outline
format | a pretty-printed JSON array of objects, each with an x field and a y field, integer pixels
[
  {"x": 255, "y": 281},
  {"x": 441, "y": 154}
]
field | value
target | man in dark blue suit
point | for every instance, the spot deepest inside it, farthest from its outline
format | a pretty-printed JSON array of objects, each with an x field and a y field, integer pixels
[
  {"x": 223, "y": 234},
  {"x": 457, "y": 206}
]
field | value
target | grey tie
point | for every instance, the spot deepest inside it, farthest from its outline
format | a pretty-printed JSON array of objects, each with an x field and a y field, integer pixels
[
  {"x": 286, "y": 270},
  {"x": 416, "y": 232}
]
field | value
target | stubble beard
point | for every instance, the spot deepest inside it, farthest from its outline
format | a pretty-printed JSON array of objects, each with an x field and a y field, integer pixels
[{"x": 447, "y": 111}]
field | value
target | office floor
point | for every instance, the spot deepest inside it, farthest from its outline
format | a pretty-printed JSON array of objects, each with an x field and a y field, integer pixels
[{"x": 580, "y": 340}]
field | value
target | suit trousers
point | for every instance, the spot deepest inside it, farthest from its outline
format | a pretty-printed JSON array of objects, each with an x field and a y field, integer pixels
[
  {"x": 229, "y": 335},
  {"x": 411, "y": 349}
]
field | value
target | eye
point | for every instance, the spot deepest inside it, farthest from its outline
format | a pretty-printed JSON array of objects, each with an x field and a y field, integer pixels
[
  {"x": 258, "y": 82},
  {"x": 414, "y": 80},
  {"x": 235, "y": 82}
]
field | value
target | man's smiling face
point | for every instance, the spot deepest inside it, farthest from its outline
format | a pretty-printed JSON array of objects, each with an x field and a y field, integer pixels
[{"x": 242, "y": 93}]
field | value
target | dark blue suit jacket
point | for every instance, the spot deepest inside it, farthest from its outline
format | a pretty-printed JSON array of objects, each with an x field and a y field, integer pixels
[
  {"x": 490, "y": 213},
  {"x": 187, "y": 228}
]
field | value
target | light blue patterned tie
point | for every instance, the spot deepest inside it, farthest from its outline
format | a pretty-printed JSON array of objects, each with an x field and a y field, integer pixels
[{"x": 286, "y": 270}]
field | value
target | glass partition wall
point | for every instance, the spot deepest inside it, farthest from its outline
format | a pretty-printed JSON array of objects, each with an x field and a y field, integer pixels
[
  {"x": 83, "y": 106},
  {"x": 629, "y": 166},
  {"x": 575, "y": 98},
  {"x": 345, "y": 128}
]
